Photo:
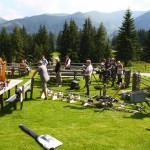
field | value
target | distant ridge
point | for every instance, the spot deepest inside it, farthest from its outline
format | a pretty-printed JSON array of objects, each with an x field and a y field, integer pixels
[
  {"x": 143, "y": 21},
  {"x": 2, "y": 20},
  {"x": 54, "y": 22}
]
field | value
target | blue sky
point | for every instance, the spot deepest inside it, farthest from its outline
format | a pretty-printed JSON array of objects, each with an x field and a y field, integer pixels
[{"x": 12, "y": 9}]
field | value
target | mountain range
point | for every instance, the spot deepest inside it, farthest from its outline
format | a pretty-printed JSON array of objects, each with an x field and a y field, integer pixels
[{"x": 55, "y": 22}]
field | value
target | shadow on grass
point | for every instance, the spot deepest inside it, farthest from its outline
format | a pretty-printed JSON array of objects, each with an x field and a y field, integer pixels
[
  {"x": 76, "y": 107},
  {"x": 100, "y": 110},
  {"x": 147, "y": 129},
  {"x": 139, "y": 116},
  {"x": 8, "y": 109}
]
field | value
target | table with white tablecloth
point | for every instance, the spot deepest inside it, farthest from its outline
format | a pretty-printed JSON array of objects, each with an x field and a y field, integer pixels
[{"x": 8, "y": 86}]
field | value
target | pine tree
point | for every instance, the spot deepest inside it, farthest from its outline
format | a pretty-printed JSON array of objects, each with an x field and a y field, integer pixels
[
  {"x": 17, "y": 45},
  {"x": 42, "y": 41},
  {"x": 127, "y": 42},
  {"x": 73, "y": 43},
  {"x": 87, "y": 42},
  {"x": 5, "y": 45},
  {"x": 52, "y": 40},
  {"x": 146, "y": 48},
  {"x": 102, "y": 44},
  {"x": 68, "y": 41},
  {"x": 142, "y": 40},
  {"x": 64, "y": 46},
  {"x": 26, "y": 44},
  {"x": 58, "y": 42}
]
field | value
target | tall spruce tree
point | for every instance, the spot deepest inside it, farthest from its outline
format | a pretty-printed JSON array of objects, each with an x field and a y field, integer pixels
[
  {"x": 5, "y": 45},
  {"x": 64, "y": 45},
  {"x": 26, "y": 43},
  {"x": 127, "y": 42},
  {"x": 52, "y": 40},
  {"x": 17, "y": 45},
  {"x": 103, "y": 49},
  {"x": 68, "y": 41},
  {"x": 73, "y": 43},
  {"x": 142, "y": 40},
  {"x": 146, "y": 49},
  {"x": 58, "y": 42},
  {"x": 87, "y": 42},
  {"x": 42, "y": 41}
]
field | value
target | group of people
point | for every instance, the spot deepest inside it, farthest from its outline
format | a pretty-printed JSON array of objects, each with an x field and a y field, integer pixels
[
  {"x": 44, "y": 76},
  {"x": 87, "y": 73},
  {"x": 57, "y": 69},
  {"x": 110, "y": 68}
]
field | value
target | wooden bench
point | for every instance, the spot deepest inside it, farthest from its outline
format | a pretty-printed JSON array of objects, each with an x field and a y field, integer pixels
[
  {"x": 21, "y": 94},
  {"x": 67, "y": 73},
  {"x": 73, "y": 67},
  {"x": 11, "y": 70},
  {"x": 23, "y": 71}
]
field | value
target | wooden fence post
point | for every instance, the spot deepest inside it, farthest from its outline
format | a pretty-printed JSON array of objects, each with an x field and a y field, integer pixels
[
  {"x": 135, "y": 82},
  {"x": 127, "y": 78}
]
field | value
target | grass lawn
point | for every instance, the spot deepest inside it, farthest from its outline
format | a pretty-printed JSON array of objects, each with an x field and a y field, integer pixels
[{"x": 77, "y": 126}]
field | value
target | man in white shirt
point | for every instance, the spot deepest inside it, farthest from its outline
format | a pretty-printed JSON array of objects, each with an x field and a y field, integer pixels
[{"x": 88, "y": 74}]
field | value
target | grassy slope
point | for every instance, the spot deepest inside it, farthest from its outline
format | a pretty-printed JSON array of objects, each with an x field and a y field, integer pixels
[{"x": 76, "y": 126}]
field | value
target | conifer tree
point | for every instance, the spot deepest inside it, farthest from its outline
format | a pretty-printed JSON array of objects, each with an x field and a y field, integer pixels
[
  {"x": 64, "y": 41},
  {"x": 146, "y": 49},
  {"x": 17, "y": 45},
  {"x": 127, "y": 41},
  {"x": 26, "y": 43},
  {"x": 68, "y": 41},
  {"x": 102, "y": 44},
  {"x": 42, "y": 41},
  {"x": 58, "y": 42},
  {"x": 52, "y": 40},
  {"x": 5, "y": 50},
  {"x": 87, "y": 42},
  {"x": 73, "y": 43}
]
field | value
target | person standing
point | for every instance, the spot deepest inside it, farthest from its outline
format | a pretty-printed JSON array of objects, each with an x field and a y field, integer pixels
[
  {"x": 44, "y": 60},
  {"x": 58, "y": 72},
  {"x": 87, "y": 75},
  {"x": 67, "y": 62},
  {"x": 106, "y": 72},
  {"x": 44, "y": 76},
  {"x": 22, "y": 68},
  {"x": 113, "y": 69},
  {"x": 119, "y": 72}
]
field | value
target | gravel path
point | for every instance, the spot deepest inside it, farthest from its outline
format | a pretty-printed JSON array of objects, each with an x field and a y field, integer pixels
[{"x": 145, "y": 74}]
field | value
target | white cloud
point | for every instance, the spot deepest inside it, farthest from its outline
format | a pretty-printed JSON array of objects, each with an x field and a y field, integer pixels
[
  {"x": 10, "y": 9},
  {"x": 9, "y": 13},
  {"x": 12, "y": 14}
]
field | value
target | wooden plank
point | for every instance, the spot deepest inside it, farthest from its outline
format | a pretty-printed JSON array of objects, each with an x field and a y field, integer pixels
[{"x": 67, "y": 73}]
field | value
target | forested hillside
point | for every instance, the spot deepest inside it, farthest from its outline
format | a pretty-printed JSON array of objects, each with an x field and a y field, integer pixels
[
  {"x": 83, "y": 43},
  {"x": 54, "y": 22}
]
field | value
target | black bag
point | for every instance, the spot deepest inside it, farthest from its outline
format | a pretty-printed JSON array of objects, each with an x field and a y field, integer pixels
[{"x": 74, "y": 85}]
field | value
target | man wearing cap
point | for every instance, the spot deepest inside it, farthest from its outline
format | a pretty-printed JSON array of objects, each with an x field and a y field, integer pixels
[{"x": 44, "y": 77}]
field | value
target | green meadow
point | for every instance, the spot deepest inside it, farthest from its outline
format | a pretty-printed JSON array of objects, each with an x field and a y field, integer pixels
[{"x": 76, "y": 126}]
